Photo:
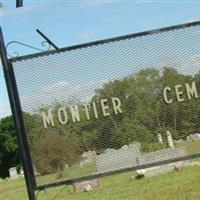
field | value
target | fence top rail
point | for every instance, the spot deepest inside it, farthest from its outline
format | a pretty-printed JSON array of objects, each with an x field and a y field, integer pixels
[{"x": 104, "y": 41}]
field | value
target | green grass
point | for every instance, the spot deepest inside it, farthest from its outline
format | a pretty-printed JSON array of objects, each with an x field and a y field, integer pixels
[
  {"x": 182, "y": 185},
  {"x": 75, "y": 171}
]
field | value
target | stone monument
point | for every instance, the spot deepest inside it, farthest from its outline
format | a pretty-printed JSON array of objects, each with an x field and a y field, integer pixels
[
  {"x": 160, "y": 140},
  {"x": 13, "y": 173},
  {"x": 170, "y": 140}
]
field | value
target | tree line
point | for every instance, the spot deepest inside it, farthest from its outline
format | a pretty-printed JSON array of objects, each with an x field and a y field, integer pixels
[{"x": 145, "y": 114}]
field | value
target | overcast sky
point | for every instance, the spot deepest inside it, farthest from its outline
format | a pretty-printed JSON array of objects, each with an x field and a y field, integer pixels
[{"x": 73, "y": 22}]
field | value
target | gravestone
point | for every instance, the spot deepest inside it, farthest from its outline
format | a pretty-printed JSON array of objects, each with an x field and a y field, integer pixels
[
  {"x": 170, "y": 140},
  {"x": 22, "y": 172},
  {"x": 193, "y": 137},
  {"x": 160, "y": 140},
  {"x": 86, "y": 185},
  {"x": 13, "y": 173},
  {"x": 116, "y": 159},
  {"x": 66, "y": 166},
  {"x": 162, "y": 155},
  {"x": 87, "y": 157},
  {"x": 35, "y": 171}
]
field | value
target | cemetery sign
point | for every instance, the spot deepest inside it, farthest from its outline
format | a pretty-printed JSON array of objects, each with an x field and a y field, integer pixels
[{"x": 105, "y": 107}]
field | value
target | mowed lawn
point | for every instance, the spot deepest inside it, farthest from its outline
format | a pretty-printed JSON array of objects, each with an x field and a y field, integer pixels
[{"x": 183, "y": 185}]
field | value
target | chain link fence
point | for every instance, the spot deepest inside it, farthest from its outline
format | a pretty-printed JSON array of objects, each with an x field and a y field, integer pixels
[{"x": 112, "y": 105}]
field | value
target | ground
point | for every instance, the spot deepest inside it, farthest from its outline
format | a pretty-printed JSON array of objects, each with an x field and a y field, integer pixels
[{"x": 183, "y": 185}]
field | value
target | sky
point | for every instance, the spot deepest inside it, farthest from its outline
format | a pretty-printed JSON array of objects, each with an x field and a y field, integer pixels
[{"x": 73, "y": 22}]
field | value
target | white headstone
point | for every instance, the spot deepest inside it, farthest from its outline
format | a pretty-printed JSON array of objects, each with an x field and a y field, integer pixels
[
  {"x": 160, "y": 140},
  {"x": 13, "y": 173},
  {"x": 66, "y": 166},
  {"x": 35, "y": 171},
  {"x": 170, "y": 140},
  {"x": 22, "y": 172}
]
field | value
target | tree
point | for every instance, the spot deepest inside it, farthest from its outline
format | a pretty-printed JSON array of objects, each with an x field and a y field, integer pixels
[
  {"x": 1, "y": 5},
  {"x": 51, "y": 148},
  {"x": 9, "y": 152}
]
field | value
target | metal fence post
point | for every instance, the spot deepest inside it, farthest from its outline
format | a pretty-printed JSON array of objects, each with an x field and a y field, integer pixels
[
  {"x": 19, "y": 3},
  {"x": 18, "y": 119}
]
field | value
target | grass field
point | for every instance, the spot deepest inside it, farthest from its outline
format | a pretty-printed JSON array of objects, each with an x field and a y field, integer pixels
[{"x": 184, "y": 185}]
